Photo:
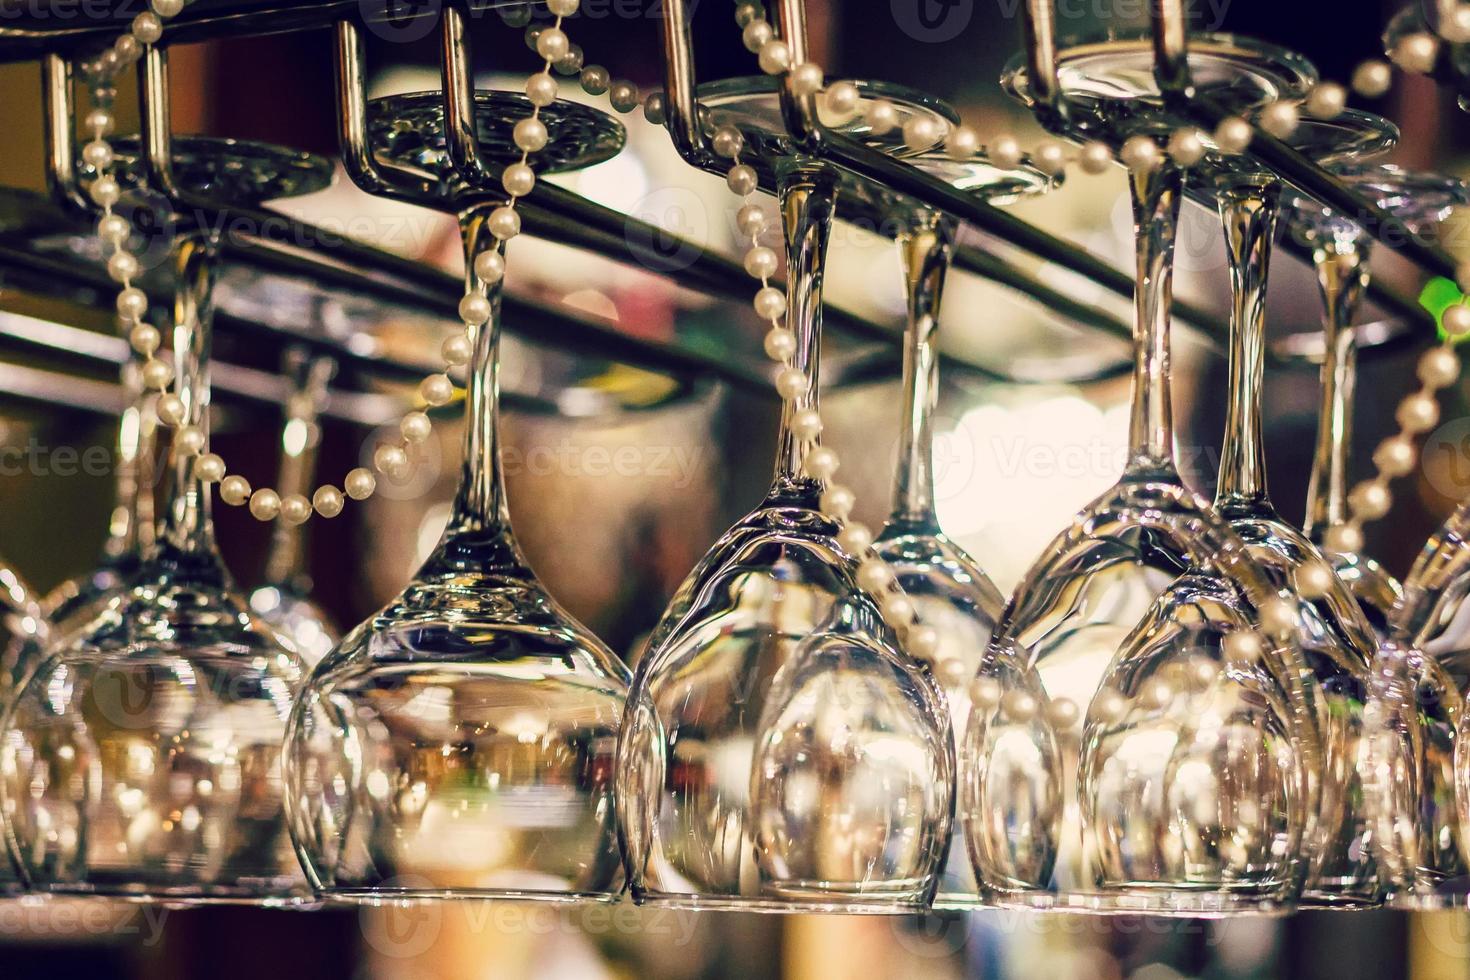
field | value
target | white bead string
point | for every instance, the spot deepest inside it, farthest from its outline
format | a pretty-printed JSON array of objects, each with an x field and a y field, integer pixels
[
  {"x": 1438, "y": 368},
  {"x": 392, "y": 459},
  {"x": 1369, "y": 500}
]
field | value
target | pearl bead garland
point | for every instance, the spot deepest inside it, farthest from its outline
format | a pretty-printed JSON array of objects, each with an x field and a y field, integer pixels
[
  {"x": 821, "y": 463},
  {"x": 1395, "y": 457},
  {"x": 391, "y": 459}
]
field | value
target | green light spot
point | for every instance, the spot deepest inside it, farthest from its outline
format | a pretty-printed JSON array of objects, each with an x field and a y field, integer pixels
[{"x": 1438, "y": 295}]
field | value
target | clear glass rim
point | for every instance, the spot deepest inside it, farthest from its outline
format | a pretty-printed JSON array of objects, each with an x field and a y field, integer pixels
[
  {"x": 1165, "y": 902},
  {"x": 397, "y": 898},
  {"x": 1363, "y": 135},
  {"x": 180, "y": 898},
  {"x": 765, "y": 905}
]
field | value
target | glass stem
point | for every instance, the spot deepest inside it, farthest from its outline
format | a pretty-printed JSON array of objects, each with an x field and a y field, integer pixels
[
  {"x": 478, "y": 535},
  {"x": 130, "y": 530},
  {"x": 285, "y": 563},
  {"x": 926, "y": 249},
  {"x": 1248, "y": 210},
  {"x": 808, "y": 197},
  {"x": 1342, "y": 274},
  {"x": 1156, "y": 195},
  {"x": 188, "y": 532}
]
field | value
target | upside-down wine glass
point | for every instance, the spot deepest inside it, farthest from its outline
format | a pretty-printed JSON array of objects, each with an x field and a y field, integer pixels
[
  {"x": 780, "y": 751},
  {"x": 1186, "y": 791},
  {"x": 949, "y": 591},
  {"x": 283, "y": 599},
  {"x": 460, "y": 743},
  {"x": 1417, "y": 771},
  {"x": 1341, "y": 251},
  {"x": 130, "y": 529},
  {"x": 142, "y": 761},
  {"x": 1332, "y": 631}
]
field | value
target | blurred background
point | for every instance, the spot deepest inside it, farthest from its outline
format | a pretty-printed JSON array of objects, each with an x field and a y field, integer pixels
[{"x": 1015, "y": 459}]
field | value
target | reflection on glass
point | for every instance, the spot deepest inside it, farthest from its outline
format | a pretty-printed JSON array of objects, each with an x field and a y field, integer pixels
[
  {"x": 460, "y": 742},
  {"x": 780, "y": 751},
  {"x": 142, "y": 759},
  {"x": 1185, "y": 789},
  {"x": 130, "y": 528},
  {"x": 949, "y": 591}
]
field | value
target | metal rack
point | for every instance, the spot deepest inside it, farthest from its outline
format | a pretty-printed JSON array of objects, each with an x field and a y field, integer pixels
[{"x": 563, "y": 216}]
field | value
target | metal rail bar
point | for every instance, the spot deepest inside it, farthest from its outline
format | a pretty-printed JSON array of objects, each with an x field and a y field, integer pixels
[
  {"x": 206, "y": 19},
  {"x": 895, "y": 174},
  {"x": 250, "y": 384},
  {"x": 1171, "y": 70}
]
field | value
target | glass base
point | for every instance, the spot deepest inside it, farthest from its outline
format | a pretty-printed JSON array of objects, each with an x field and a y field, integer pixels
[
  {"x": 753, "y": 105},
  {"x": 974, "y": 175},
  {"x": 1419, "y": 200}
]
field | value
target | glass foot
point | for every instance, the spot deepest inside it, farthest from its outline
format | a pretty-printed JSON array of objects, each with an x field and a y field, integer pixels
[
  {"x": 1419, "y": 200},
  {"x": 752, "y": 105},
  {"x": 977, "y": 175},
  {"x": 229, "y": 171},
  {"x": 408, "y": 131},
  {"x": 1111, "y": 93}
]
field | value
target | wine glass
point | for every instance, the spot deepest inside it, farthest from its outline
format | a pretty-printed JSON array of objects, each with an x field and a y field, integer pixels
[
  {"x": 1416, "y": 772},
  {"x": 23, "y": 634},
  {"x": 949, "y": 590},
  {"x": 1333, "y": 632},
  {"x": 780, "y": 752},
  {"x": 1341, "y": 252},
  {"x": 1185, "y": 791},
  {"x": 130, "y": 530},
  {"x": 460, "y": 743},
  {"x": 283, "y": 600},
  {"x": 141, "y": 760}
]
